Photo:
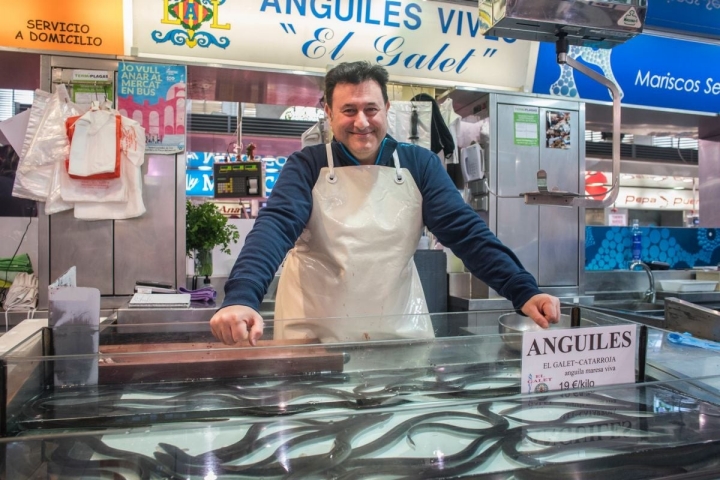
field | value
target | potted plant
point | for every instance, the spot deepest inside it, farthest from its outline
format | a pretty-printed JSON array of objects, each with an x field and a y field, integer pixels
[{"x": 206, "y": 228}]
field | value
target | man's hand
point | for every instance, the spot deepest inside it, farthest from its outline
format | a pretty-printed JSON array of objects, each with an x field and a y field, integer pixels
[
  {"x": 236, "y": 323},
  {"x": 544, "y": 309}
]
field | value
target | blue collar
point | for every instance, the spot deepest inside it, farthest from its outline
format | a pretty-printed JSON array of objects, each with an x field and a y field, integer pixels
[{"x": 355, "y": 161}]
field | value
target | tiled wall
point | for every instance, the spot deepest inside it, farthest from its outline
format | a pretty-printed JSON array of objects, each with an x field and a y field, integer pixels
[{"x": 609, "y": 248}]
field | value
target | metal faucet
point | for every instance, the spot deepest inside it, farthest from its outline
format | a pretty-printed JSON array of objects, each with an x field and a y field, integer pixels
[{"x": 650, "y": 292}]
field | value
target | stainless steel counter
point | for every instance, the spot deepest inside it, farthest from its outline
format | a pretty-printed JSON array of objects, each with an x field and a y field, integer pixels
[
  {"x": 464, "y": 304},
  {"x": 626, "y": 284}
]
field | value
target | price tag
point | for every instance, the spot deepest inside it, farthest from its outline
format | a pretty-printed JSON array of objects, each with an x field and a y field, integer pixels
[{"x": 568, "y": 359}]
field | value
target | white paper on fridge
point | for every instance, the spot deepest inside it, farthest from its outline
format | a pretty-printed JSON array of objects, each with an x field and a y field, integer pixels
[{"x": 167, "y": 300}]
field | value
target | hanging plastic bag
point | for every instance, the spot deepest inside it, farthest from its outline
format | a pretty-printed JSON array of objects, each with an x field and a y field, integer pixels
[
  {"x": 49, "y": 143},
  {"x": 410, "y": 122},
  {"x": 31, "y": 181},
  {"x": 54, "y": 202},
  {"x": 45, "y": 143},
  {"x": 132, "y": 147},
  {"x": 94, "y": 145},
  {"x": 85, "y": 190}
]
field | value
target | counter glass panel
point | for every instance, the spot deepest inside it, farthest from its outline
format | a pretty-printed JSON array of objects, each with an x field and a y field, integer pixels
[{"x": 165, "y": 401}]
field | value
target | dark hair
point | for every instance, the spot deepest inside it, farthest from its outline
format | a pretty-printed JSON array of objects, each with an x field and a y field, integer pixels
[{"x": 355, "y": 73}]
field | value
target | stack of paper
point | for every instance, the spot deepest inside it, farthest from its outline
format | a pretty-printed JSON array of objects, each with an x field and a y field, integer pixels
[{"x": 160, "y": 300}]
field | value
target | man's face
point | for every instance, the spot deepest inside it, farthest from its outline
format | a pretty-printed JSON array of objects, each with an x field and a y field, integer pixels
[{"x": 358, "y": 118}]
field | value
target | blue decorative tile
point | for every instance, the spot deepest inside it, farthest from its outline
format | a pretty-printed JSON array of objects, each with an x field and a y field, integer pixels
[{"x": 609, "y": 248}]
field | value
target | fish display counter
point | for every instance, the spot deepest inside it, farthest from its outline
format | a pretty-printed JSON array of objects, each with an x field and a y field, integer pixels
[{"x": 157, "y": 405}]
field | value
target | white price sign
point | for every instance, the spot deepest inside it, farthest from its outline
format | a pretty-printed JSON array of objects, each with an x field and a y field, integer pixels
[{"x": 568, "y": 359}]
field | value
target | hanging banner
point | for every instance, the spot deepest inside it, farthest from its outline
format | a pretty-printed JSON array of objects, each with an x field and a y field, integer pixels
[
  {"x": 645, "y": 192},
  {"x": 650, "y": 71},
  {"x": 155, "y": 96},
  {"x": 85, "y": 26},
  {"x": 412, "y": 39},
  {"x": 656, "y": 199}
]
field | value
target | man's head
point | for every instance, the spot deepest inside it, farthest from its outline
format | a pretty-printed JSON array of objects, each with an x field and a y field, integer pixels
[{"x": 356, "y": 103}]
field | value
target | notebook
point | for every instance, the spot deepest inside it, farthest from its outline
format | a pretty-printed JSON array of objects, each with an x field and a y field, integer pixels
[{"x": 164, "y": 300}]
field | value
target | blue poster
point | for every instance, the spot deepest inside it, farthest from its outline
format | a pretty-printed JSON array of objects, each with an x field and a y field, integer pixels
[
  {"x": 199, "y": 159},
  {"x": 272, "y": 172},
  {"x": 650, "y": 71},
  {"x": 199, "y": 182},
  {"x": 206, "y": 159},
  {"x": 154, "y": 95},
  {"x": 691, "y": 17}
]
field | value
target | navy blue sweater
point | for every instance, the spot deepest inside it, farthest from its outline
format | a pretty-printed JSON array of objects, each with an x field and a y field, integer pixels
[{"x": 444, "y": 212}]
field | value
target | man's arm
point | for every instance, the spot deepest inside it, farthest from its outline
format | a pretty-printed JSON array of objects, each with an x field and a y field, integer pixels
[
  {"x": 276, "y": 229},
  {"x": 458, "y": 227}
]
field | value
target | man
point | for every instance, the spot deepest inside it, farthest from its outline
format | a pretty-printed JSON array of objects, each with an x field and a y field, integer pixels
[{"x": 354, "y": 211}]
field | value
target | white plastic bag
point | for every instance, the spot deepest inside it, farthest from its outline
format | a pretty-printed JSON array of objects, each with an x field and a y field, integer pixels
[
  {"x": 32, "y": 181},
  {"x": 132, "y": 146},
  {"x": 54, "y": 202},
  {"x": 94, "y": 146},
  {"x": 22, "y": 294},
  {"x": 75, "y": 190},
  {"x": 45, "y": 145},
  {"x": 50, "y": 143}
]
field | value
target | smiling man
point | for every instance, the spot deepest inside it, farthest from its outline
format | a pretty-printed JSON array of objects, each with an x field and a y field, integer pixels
[{"x": 350, "y": 214}]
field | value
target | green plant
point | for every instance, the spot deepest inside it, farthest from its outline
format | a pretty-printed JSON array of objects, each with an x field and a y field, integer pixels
[{"x": 206, "y": 227}]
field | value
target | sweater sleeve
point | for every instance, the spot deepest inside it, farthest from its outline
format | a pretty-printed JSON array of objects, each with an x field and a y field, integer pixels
[
  {"x": 458, "y": 227},
  {"x": 276, "y": 229}
]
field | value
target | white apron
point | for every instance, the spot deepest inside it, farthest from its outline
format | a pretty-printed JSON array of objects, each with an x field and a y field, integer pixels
[{"x": 355, "y": 259}]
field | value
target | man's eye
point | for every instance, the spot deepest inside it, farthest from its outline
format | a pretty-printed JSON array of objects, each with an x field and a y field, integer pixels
[
  {"x": 349, "y": 111},
  {"x": 371, "y": 111}
]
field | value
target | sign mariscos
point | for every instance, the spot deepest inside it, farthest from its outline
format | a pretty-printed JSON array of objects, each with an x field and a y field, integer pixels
[
  {"x": 411, "y": 39},
  {"x": 683, "y": 76},
  {"x": 84, "y": 26}
]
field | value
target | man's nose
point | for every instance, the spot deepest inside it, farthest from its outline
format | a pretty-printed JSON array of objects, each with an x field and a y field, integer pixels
[{"x": 361, "y": 121}]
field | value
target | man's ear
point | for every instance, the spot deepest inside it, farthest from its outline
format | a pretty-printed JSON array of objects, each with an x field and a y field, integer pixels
[{"x": 327, "y": 112}]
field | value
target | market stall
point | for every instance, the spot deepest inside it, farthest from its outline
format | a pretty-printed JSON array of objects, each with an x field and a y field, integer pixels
[{"x": 439, "y": 408}]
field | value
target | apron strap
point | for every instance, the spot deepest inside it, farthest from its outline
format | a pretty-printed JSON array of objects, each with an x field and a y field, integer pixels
[
  {"x": 398, "y": 172},
  {"x": 330, "y": 176}
]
